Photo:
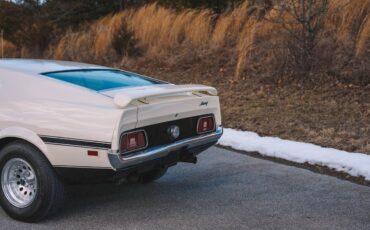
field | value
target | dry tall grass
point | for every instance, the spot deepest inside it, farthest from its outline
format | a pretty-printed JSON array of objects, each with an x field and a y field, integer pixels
[
  {"x": 159, "y": 29},
  {"x": 9, "y": 49},
  {"x": 256, "y": 44},
  {"x": 349, "y": 22},
  {"x": 363, "y": 38}
]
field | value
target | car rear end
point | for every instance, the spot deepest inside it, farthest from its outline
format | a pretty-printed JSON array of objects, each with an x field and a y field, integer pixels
[
  {"x": 174, "y": 124},
  {"x": 161, "y": 123}
]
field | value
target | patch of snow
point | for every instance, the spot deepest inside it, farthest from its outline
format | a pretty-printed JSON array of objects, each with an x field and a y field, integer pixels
[{"x": 355, "y": 164}]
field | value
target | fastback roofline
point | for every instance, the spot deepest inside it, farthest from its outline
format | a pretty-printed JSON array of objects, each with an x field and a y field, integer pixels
[{"x": 38, "y": 66}]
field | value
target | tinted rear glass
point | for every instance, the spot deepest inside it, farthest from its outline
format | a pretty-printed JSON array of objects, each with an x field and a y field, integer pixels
[{"x": 99, "y": 80}]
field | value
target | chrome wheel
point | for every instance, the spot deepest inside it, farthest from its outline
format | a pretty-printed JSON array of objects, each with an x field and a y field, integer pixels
[{"x": 19, "y": 182}]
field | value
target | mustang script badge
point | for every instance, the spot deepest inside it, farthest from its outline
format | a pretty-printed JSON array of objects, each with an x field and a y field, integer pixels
[{"x": 204, "y": 103}]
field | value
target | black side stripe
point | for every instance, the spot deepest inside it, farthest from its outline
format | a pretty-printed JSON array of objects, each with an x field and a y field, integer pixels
[{"x": 75, "y": 142}]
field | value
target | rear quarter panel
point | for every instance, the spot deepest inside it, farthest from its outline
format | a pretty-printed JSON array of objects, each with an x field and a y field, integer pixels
[{"x": 47, "y": 107}]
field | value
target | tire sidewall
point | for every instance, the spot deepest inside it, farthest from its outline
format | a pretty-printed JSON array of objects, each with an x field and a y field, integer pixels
[{"x": 34, "y": 158}]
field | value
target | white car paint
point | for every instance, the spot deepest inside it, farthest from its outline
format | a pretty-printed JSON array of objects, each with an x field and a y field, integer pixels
[{"x": 36, "y": 108}]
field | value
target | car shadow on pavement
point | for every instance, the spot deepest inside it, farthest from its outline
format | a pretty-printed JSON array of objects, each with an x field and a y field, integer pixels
[{"x": 107, "y": 199}]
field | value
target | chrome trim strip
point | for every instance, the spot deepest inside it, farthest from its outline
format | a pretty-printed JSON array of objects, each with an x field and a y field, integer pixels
[{"x": 120, "y": 162}]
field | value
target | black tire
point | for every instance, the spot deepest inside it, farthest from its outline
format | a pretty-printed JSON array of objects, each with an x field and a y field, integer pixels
[
  {"x": 148, "y": 177},
  {"x": 50, "y": 189}
]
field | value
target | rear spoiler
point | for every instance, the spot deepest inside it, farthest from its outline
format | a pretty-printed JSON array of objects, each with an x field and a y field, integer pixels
[{"x": 128, "y": 95}]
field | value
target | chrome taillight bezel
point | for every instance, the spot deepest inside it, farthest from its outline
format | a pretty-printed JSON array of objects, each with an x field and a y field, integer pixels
[
  {"x": 204, "y": 117},
  {"x": 134, "y": 150}
]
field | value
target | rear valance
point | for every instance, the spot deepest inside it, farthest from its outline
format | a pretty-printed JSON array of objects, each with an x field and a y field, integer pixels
[{"x": 124, "y": 97}]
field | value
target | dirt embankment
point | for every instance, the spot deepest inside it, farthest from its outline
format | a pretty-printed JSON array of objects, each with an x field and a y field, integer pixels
[{"x": 330, "y": 114}]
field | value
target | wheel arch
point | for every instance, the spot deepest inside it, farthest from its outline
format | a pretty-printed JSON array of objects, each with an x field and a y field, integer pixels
[{"x": 11, "y": 134}]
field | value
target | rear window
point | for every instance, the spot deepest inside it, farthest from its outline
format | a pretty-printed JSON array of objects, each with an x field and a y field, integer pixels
[{"x": 100, "y": 80}]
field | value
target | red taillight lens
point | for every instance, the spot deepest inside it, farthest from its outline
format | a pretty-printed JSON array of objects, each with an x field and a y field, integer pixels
[
  {"x": 133, "y": 141},
  {"x": 206, "y": 124}
]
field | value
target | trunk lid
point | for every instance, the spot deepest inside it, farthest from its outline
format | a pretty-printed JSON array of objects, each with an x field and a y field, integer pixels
[{"x": 167, "y": 102}]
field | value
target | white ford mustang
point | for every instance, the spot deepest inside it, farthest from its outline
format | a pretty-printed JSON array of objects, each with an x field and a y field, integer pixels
[{"x": 76, "y": 123}]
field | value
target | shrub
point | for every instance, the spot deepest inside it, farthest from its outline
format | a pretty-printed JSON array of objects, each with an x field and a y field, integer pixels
[{"x": 124, "y": 42}]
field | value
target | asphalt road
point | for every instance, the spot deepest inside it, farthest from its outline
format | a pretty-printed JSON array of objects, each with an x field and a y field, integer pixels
[{"x": 225, "y": 190}]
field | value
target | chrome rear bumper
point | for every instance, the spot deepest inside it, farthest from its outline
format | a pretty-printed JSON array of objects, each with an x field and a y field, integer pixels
[{"x": 119, "y": 162}]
